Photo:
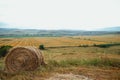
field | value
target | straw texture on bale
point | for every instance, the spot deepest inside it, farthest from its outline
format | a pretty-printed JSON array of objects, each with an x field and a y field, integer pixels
[{"x": 23, "y": 59}]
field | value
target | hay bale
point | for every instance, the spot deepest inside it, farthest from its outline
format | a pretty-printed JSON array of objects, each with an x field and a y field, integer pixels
[{"x": 23, "y": 59}]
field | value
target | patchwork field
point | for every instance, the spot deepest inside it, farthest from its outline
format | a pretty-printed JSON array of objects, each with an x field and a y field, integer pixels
[
  {"x": 58, "y": 41},
  {"x": 70, "y": 55}
]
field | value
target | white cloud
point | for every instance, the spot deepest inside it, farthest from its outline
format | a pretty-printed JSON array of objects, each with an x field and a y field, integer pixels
[{"x": 60, "y": 14}]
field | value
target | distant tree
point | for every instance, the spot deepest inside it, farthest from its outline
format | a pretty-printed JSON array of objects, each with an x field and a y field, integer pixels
[
  {"x": 41, "y": 47},
  {"x": 4, "y": 50}
]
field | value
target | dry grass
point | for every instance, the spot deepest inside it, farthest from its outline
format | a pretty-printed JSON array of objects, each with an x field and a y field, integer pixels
[
  {"x": 98, "y": 63},
  {"x": 102, "y": 38}
]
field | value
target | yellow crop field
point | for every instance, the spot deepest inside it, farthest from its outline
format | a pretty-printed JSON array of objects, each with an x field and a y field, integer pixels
[
  {"x": 52, "y": 41},
  {"x": 102, "y": 38}
]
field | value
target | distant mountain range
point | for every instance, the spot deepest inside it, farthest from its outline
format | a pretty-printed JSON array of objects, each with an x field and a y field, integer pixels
[
  {"x": 101, "y": 29},
  {"x": 111, "y": 29},
  {"x": 12, "y": 32}
]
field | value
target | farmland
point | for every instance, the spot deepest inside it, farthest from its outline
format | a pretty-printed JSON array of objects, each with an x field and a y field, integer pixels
[
  {"x": 73, "y": 54},
  {"x": 58, "y": 41}
]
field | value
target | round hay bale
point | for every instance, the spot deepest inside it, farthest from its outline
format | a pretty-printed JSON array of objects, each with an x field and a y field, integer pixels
[{"x": 23, "y": 59}]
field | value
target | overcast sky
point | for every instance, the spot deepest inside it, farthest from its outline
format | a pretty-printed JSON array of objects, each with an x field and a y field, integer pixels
[{"x": 60, "y": 14}]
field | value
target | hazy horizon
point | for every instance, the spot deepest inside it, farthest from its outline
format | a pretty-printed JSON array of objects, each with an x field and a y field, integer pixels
[{"x": 59, "y": 15}]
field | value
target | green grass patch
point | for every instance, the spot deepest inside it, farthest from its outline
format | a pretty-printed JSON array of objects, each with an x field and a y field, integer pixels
[{"x": 94, "y": 62}]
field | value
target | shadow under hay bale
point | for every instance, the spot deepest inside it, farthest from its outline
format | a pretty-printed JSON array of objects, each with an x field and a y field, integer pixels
[{"x": 23, "y": 59}]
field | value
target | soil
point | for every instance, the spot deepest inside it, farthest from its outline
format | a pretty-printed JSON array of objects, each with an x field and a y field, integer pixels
[{"x": 68, "y": 77}]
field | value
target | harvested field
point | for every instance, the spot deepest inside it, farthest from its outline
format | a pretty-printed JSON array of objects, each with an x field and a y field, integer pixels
[
  {"x": 67, "y": 56},
  {"x": 59, "y": 41}
]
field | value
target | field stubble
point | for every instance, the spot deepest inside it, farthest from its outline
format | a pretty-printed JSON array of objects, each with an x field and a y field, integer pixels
[{"x": 63, "y": 55}]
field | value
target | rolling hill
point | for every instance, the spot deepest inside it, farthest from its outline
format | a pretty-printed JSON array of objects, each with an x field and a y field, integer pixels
[{"x": 12, "y": 32}]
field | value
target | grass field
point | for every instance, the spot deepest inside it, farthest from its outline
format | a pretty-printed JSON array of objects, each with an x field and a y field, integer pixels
[{"x": 69, "y": 55}]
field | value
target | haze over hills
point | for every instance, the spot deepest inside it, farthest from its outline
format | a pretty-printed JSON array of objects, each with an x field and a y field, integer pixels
[
  {"x": 111, "y": 29},
  {"x": 13, "y": 32},
  {"x": 100, "y": 29}
]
